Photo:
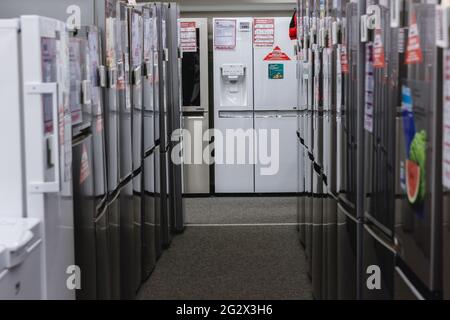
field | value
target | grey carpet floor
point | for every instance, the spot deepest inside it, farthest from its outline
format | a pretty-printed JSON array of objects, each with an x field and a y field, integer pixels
[
  {"x": 241, "y": 210},
  {"x": 233, "y": 262}
]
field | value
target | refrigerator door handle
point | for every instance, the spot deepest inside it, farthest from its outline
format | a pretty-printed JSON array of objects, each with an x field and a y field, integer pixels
[{"x": 40, "y": 89}]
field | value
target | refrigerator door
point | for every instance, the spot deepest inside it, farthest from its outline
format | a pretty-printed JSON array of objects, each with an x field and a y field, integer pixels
[
  {"x": 113, "y": 56},
  {"x": 98, "y": 129},
  {"x": 148, "y": 81},
  {"x": 44, "y": 43},
  {"x": 103, "y": 256},
  {"x": 79, "y": 97},
  {"x": 124, "y": 94},
  {"x": 346, "y": 262},
  {"x": 158, "y": 202},
  {"x": 84, "y": 216},
  {"x": 379, "y": 264},
  {"x": 276, "y": 169},
  {"x": 418, "y": 158},
  {"x": 136, "y": 63},
  {"x": 148, "y": 218},
  {"x": 446, "y": 246},
  {"x": 233, "y": 65},
  {"x": 114, "y": 244},
  {"x": 301, "y": 199},
  {"x": 128, "y": 250},
  {"x": 196, "y": 169},
  {"x": 232, "y": 174},
  {"x": 274, "y": 65},
  {"x": 194, "y": 46}
]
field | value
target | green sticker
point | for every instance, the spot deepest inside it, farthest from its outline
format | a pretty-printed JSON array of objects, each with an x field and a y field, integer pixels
[{"x": 276, "y": 71}]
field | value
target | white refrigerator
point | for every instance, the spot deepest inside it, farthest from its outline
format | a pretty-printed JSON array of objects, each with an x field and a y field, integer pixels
[{"x": 36, "y": 126}]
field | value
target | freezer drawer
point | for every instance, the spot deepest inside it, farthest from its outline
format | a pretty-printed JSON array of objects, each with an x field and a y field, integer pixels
[
  {"x": 21, "y": 282},
  {"x": 114, "y": 245},
  {"x": 230, "y": 176},
  {"x": 103, "y": 256},
  {"x": 279, "y": 140},
  {"x": 85, "y": 212},
  {"x": 196, "y": 170},
  {"x": 127, "y": 244},
  {"x": 148, "y": 218},
  {"x": 446, "y": 246},
  {"x": 346, "y": 262},
  {"x": 378, "y": 252}
]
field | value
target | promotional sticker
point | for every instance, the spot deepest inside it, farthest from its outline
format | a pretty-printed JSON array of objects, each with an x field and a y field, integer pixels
[
  {"x": 276, "y": 71},
  {"x": 277, "y": 55},
  {"x": 378, "y": 51},
  {"x": 188, "y": 35},
  {"x": 84, "y": 168},
  {"x": 414, "y": 53},
  {"x": 263, "y": 32},
  {"x": 446, "y": 135},
  {"x": 368, "y": 114}
]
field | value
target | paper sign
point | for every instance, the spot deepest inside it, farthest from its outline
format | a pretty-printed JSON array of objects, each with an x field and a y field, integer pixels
[
  {"x": 188, "y": 35},
  {"x": 277, "y": 55},
  {"x": 263, "y": 32},
  {"x": 446, "y": 136},
  {"x": 378, "y": 51},
  {"x": 344, "y": 60},
  {"x": 414, "y": 53},
  {"x": 225, "y": 33},
  {"x": 276, "y": 71},
  {"x": 368, "y": 113}
]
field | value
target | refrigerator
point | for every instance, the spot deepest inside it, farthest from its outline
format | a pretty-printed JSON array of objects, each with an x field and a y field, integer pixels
[
  {"x": 148, "y": 162},
  {"x": 84, "y": 205},
  {"x": 419, "y": 262},
  {"x": 274, "y": 70},
  {"x": 233, "y": 101},
  {"x": 166, "y": 220},
  {"x": 382, "y": 64},
  {"x": 446, "y": 172},
  {"x": 346, "y": 219},
  {"x": 195, "y": 105},
  {"x": 38, "y": 170},
  {"x": 175, "y": 155},
  {"x": 136, "y": 30}
]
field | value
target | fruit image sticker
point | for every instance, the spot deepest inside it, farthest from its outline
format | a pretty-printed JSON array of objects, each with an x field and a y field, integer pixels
[{"x": 417, "y": 155}]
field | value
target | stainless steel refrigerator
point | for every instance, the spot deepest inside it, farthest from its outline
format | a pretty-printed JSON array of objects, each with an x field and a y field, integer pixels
[
  {"x": 136, "y": 30},
  {"x": 148, "y": 105},
  {"x": 38, "y": 169},
  {"x": 195, "y": 102},
  {"x": 174, "y": 153}
]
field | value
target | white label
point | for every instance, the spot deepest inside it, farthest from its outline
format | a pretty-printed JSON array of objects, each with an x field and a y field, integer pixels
[
  {"x": 225, "y": 33},
  {"x": 368, "y": 118},
  {"x": 446, "y": 126}
]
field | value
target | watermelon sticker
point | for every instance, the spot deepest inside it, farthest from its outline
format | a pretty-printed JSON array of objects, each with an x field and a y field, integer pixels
[
  {"x": 414, "y": 53},
  {"x": 277, "y": 55},
  {"x": 276, "y": 71},
  {"x": 378, "y": 51}
]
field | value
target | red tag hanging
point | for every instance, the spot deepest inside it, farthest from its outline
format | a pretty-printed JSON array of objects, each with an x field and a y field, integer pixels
[
  {"x": 344, "y": 60},
  {"x": 414, "y": 53}
]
